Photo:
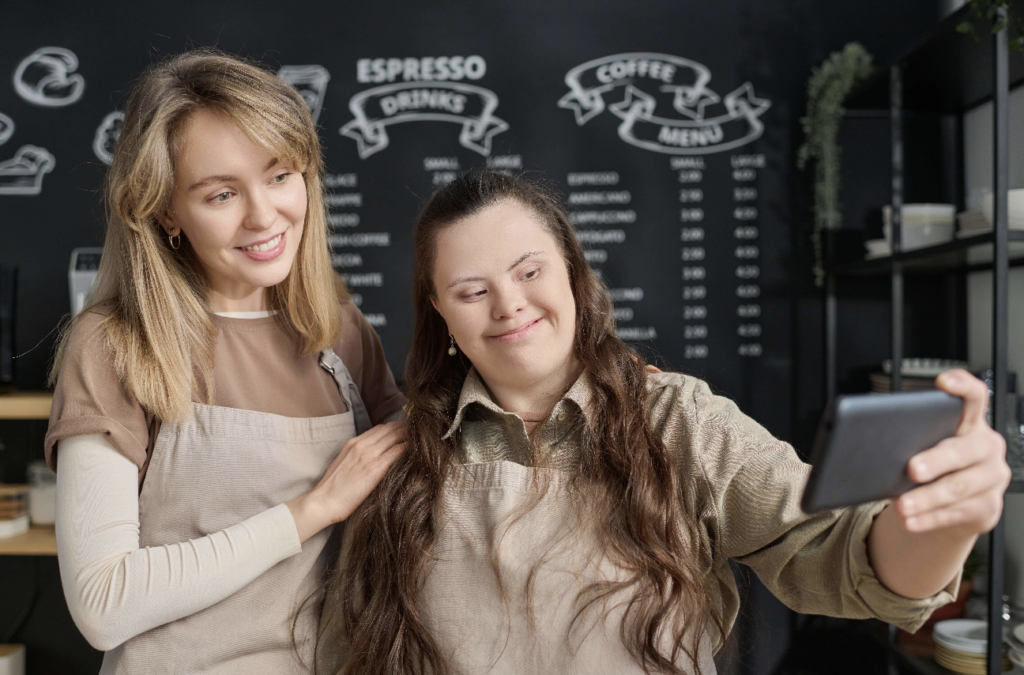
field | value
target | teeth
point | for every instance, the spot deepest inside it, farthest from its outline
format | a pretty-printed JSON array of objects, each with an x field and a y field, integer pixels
[{"x": 264, "y": 247}]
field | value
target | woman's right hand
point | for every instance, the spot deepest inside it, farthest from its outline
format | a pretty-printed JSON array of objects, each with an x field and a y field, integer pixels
[{"x": 349, "y": 479}]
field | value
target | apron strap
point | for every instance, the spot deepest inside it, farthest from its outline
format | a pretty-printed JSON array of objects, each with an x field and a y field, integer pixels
[{"x": 333, "y": 364}]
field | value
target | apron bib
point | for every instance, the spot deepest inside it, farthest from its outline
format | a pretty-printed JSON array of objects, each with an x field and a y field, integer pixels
[
  {"x": 216, "y": 469},
  {"x": 512, "y": 556}
]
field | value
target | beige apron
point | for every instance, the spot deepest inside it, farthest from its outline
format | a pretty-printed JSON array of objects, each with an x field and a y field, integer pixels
[
  {"x": 500, "y": 522},
  {"x": 213, "y": 471}
]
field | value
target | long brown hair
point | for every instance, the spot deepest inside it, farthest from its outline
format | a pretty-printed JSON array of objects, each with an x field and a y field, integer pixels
[
  {"x": 647, "y": 531},
  {"x": 157, "y": 326}
]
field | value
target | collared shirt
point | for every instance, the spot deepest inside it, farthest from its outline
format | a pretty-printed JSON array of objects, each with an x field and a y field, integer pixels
[{"x": 741, "y": 485}]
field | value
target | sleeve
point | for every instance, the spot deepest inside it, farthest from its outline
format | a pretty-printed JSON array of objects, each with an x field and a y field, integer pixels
[
  {"x": 116, "y": 590},
  {"x": 814, "y": 563},
  {"x": 90, "y": 399},
  {"x": 360, "y": 349}
]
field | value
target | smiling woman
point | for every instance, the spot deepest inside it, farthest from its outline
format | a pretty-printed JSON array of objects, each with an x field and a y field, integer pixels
[
  {"x": 560, "y": 510},
  {"x": 208, "y": 398}
]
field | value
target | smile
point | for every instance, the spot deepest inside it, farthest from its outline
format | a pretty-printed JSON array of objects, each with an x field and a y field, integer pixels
[
  {"x": 524, "y": 331},
  {"x": 265, "y": 250}
]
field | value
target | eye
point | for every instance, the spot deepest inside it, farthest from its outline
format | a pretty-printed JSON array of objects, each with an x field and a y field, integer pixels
[
  {"x": 222, "y": 197},
  {"x": 530, "y": 274},
  {"x": 473, "y": 295},
  {"x": 280, "y": 178}
]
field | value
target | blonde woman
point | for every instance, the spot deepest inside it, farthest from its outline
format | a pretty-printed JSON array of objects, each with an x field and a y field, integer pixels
[{"x": 208, "y": 401}]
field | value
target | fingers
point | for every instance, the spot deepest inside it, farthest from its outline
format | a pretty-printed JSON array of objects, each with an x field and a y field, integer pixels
[
  {"x": 652, "y": 369},
  {"x": 955, "y": 487},
  {"x": 375, "y": 440},
  {"x": 980, "y": 514},
  {"x": 974, "y": 392},
  {"x": 951, "y": 454}
]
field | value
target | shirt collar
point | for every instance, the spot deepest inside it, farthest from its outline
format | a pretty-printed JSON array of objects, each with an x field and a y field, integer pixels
[{"x": 474, "y": 390}]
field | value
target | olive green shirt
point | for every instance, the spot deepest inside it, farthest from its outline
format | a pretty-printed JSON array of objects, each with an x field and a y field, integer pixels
[{"x": 742, "y": 487}]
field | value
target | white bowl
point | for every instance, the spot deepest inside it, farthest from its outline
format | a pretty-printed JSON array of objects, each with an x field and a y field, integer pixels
[
  {"x": 922, "y": 234},
  {"x": 963, "y": 635},
  {"x": 921, "y": 214},
  {"x": 1015, "y": 200}
]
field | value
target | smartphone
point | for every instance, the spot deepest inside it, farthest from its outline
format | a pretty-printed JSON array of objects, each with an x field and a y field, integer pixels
[{"x": 864, "y": 443}]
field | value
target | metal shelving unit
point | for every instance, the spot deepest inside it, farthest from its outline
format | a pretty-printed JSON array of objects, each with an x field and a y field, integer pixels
[{"x": 945, "y": 74}]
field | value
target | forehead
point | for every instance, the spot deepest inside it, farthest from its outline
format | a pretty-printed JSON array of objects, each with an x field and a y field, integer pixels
[
  {"x": 491, "y": 238},
  {"x": 211, "y": 142}
]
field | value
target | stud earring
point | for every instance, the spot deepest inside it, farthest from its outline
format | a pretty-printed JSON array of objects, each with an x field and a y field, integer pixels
[
  {"x": 174, "y": 240},
  {"x": 451, "y": 348}
]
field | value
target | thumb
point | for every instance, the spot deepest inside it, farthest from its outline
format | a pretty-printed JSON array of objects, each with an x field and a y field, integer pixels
[{"x": 973, "y": 391}]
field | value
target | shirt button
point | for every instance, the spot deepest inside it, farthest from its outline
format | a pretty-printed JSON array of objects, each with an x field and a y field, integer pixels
[{"x": 562, "y": 416}]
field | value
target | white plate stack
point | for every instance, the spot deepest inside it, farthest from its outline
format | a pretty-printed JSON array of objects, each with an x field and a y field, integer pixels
[
  {"x": 1015, "y": 641},
  {"x": 961, "y": 644}
]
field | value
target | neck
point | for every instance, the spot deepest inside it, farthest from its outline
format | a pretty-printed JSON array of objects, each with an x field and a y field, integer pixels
[
  {"x": 537, "y": 397},
  {"x": 254, "y": 300}
]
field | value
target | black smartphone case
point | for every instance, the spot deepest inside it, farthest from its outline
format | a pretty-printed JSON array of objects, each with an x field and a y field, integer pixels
[{"x": 864, "y": 443}]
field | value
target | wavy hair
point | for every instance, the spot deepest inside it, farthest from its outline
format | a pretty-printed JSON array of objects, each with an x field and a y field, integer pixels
[
  {"x": 645, "y": 528},
  {"x": 157, "y": 327}
]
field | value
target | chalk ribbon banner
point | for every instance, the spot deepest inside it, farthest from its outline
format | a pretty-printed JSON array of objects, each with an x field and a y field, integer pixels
[
  {"x": 735, "y": 123},
  {"x": 375, "y": 109}
]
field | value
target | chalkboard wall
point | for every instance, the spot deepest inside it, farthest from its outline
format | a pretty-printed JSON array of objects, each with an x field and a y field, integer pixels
[{"x": 670, "y": 127}]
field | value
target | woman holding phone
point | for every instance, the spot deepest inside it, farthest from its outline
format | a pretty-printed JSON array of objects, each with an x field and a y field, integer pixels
[
  {"x": 213, "y": 405},
  {"x": 560, "y": 510}
]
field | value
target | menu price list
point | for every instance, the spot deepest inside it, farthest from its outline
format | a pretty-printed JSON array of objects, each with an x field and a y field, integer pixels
[{"x": 719, "y": 252}]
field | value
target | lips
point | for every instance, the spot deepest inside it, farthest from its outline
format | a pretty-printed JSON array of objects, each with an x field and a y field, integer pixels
[
  {"x": 265, "y": 250},
  {"x": 522, "y": 332}
]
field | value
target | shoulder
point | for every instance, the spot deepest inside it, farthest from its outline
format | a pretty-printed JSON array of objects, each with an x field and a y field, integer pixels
[
  {"x": 677, "y": 393},
  {"x": 354, "y": 328},
  {"x": 88, "y": 335}
]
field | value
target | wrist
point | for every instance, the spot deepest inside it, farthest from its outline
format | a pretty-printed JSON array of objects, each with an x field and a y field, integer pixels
[{"x": 307, "y": 516}]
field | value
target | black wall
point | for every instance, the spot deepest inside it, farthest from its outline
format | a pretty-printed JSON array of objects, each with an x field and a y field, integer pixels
[{"x": 528, "y": 48}]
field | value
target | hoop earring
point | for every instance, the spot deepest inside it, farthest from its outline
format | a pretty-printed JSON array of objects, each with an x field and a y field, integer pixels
[
  {"x": 451, "y": 348},
  {"x": 174, "y": 240}
]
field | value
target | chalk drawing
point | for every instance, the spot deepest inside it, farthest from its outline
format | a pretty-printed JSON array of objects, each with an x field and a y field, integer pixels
[
  {"x": 311, "y": 81},
  {"x": 23, "y": 173},
  {"x": 471, "y": 106},
  {"x": 47, "y": 77},
  {"x": 6, "y": 128},
  {"x": 107, "y": 135},
  {"x": 707, "y": 123}
]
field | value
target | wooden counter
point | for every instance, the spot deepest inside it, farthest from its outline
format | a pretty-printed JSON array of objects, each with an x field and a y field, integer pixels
[
  {"x": 39, "y": 540},
  {"x": 25, "y": 405}
]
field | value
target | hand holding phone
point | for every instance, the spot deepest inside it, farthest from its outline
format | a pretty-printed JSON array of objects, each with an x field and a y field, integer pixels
[
  {"x": 965, "y": 476},
  {"x": 932, "y": 451}
]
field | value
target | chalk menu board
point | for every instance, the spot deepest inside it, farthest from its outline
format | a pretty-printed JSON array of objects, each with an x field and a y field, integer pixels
[{"x": 651, "y": 129}]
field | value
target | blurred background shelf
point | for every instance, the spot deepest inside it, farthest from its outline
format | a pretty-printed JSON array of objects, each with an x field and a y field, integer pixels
[
  {"x": 25, "y": 405},
  {"x": 39, "y": 540}
]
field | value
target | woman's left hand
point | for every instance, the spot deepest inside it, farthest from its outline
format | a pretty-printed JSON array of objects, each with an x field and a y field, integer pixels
[{"x": 966, "y": 474}]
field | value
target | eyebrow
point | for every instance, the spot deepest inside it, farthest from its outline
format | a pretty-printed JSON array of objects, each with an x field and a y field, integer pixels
[
  {"x": 519, "y": 261},
  {"x": 225, "y": 178}
]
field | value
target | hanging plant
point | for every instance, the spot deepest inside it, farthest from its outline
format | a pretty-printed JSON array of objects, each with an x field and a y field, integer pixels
[
  {"x": 827, "y": 88},
  {"x": 1012, "y": 20}
]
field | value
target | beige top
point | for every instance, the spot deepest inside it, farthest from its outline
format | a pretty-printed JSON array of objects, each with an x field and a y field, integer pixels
[
  {"x": 256, "y": 367},
  {"x": 741, "y": 485}
]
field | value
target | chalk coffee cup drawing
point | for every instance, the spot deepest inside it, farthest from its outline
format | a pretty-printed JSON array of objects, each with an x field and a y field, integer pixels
[
  {"x": 311, "y": 82},
  {"x": 107, "y": 135},
  {"x": 6, "y": 128},
  {"x": 47, "y": 77},
  {"x": 23, "y": 173}
]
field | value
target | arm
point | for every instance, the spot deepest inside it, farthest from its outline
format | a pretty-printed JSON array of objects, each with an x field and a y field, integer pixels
[
  {"x": 921, "y": 541},
  {"x": 751, "y": 485},
  {"x": 116, "y": 590}
]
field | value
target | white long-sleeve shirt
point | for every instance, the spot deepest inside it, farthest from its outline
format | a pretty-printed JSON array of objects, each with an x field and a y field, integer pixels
[{"x": 116, "y": 590}]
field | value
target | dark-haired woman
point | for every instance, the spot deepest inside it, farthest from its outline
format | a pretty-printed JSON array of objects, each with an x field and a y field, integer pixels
[{"x": 560, "y": 511}]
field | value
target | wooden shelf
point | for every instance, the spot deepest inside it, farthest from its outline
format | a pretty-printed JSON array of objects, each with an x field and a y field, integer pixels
[
  {"x": 25, "y": 405},
  {"x": 39, "y": 540}
]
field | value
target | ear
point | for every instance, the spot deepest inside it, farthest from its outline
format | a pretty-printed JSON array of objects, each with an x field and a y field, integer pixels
[
  {"x": 433, "y": 301},
  {"x": 166, "y": 220}
]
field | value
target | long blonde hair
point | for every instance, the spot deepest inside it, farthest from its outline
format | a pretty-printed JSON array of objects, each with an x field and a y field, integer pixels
[{"x": 157, "y": 326}]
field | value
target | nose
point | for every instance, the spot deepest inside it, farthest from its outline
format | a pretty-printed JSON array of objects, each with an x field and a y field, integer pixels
[
  {"x": 508, "y": 302},
  {"x": 261, "y": 213}
]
